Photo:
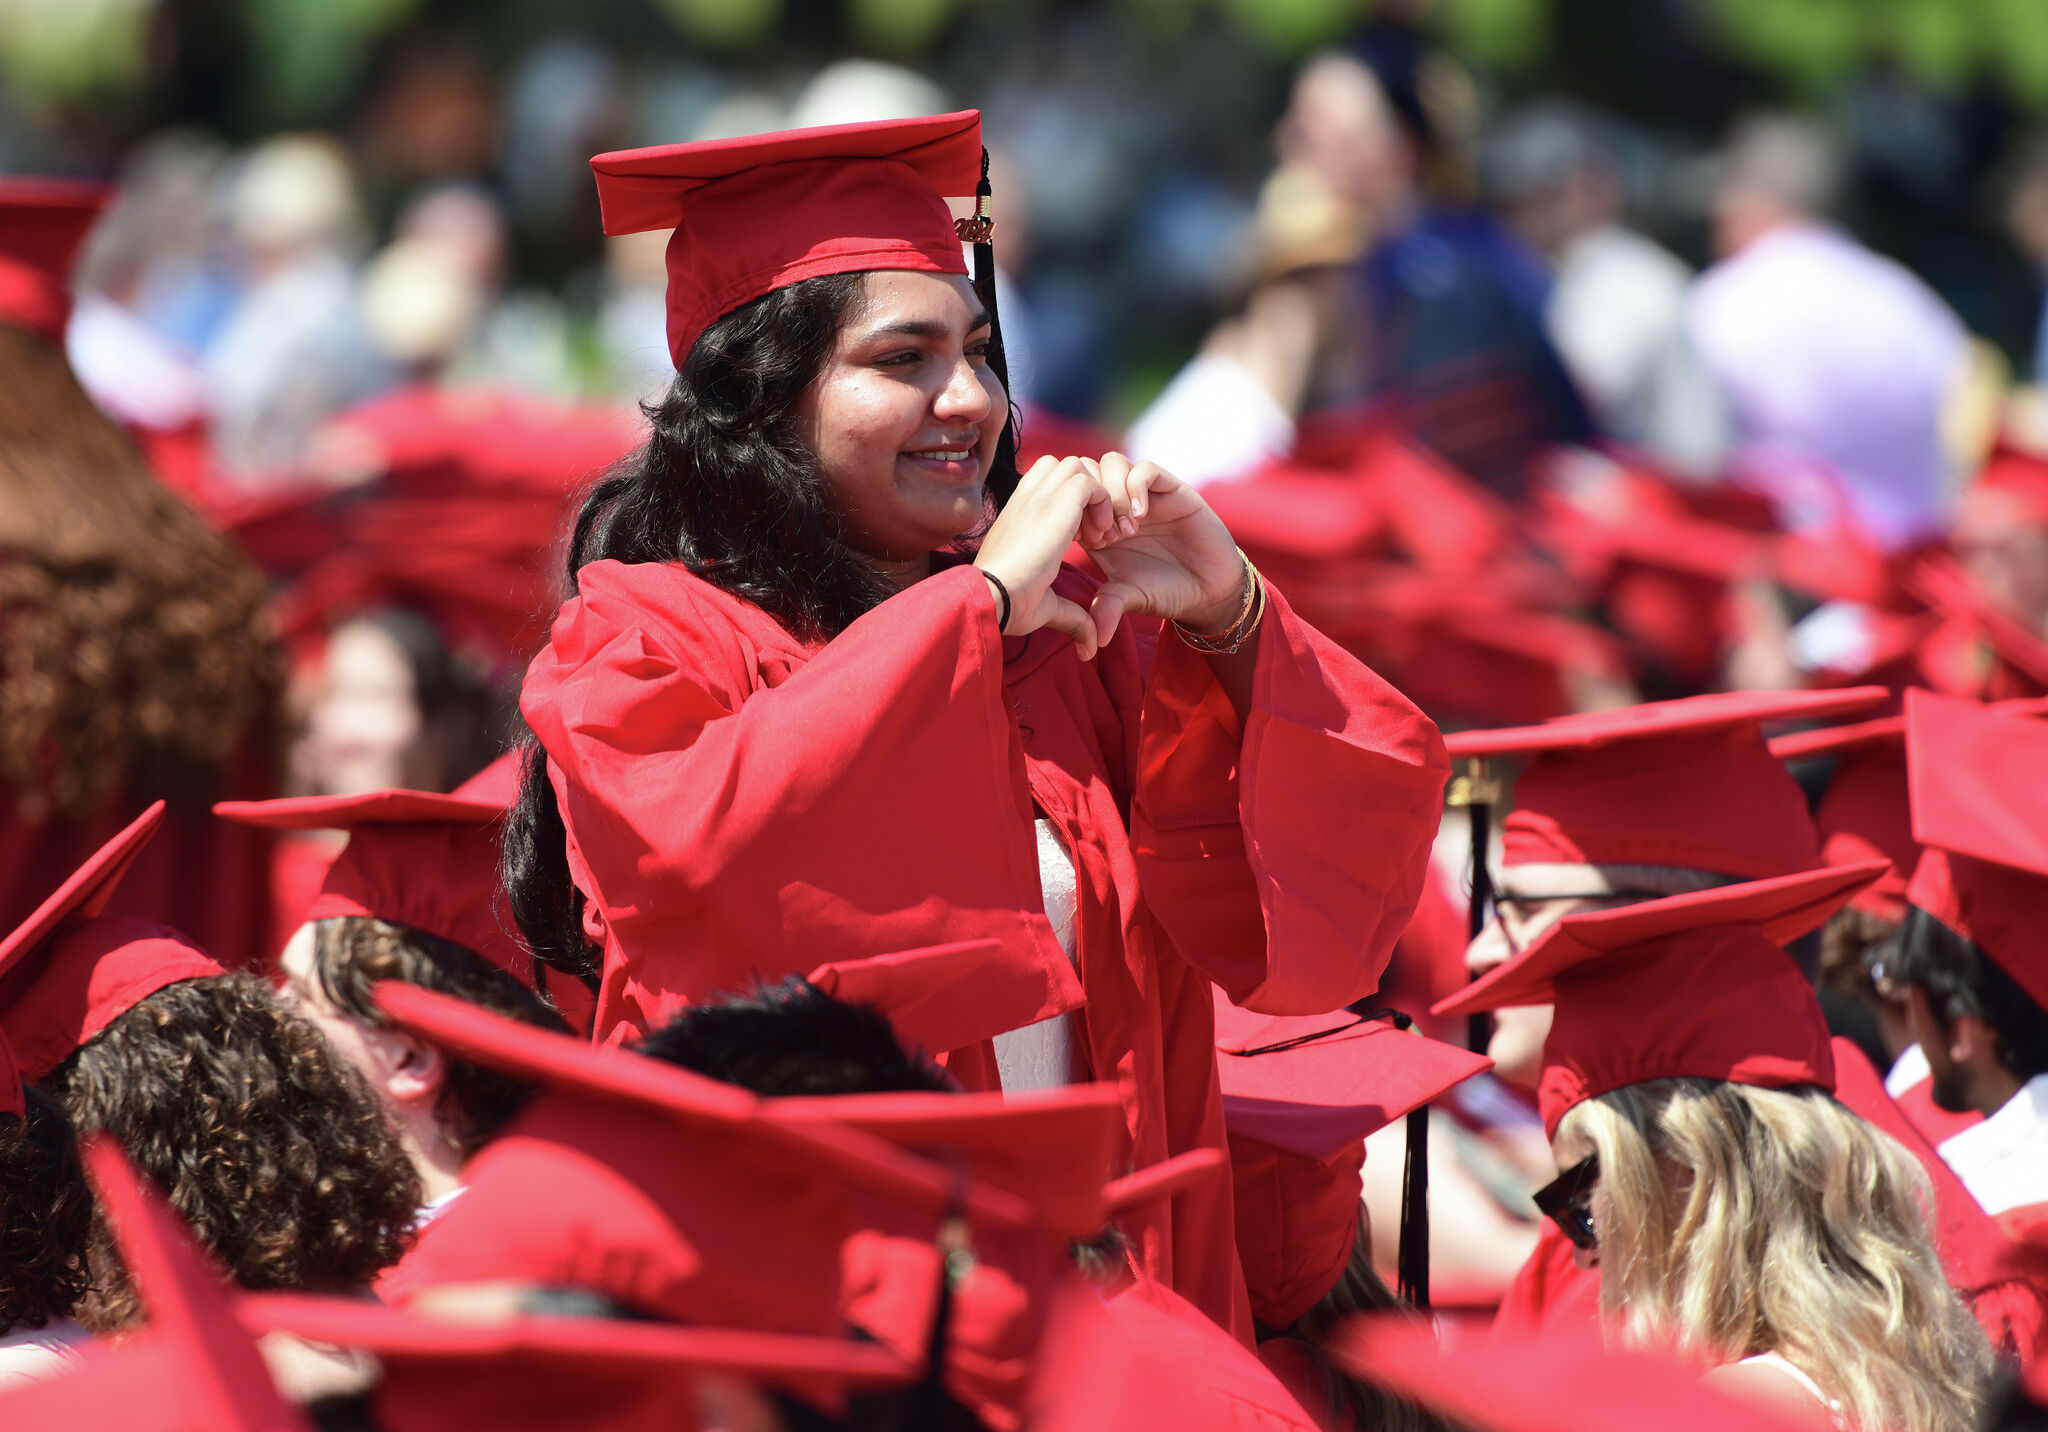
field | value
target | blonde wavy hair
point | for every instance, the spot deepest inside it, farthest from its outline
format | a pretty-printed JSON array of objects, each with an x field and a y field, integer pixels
[{"x": 1735, "y": 1220}]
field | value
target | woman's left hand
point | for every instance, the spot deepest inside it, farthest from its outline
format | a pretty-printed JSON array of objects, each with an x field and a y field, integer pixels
[{"x": 1167, "y": 554}]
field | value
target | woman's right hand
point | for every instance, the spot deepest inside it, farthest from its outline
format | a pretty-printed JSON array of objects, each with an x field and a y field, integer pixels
[{"x": 1057, "y": 502}]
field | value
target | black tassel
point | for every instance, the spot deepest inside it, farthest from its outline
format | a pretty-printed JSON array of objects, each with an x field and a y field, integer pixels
[
  {"x": 928, "y": 1404},
  {"x": 980, "y": 230},
  {"x": 1411, "y": 1267},
  {"x": 1479, "y": 1027}
]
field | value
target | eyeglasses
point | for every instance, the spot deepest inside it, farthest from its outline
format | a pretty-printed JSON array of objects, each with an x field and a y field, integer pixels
[{"x": 1567, "y": 1201}]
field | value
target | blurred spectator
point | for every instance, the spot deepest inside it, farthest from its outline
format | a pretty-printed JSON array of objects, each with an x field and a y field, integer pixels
[
  {"x": 2026, "y": 215},
  {"x": 1617, "y": 314},
  {"x": 391, "y": 706},
  {"x": 294, "y": 350},
  {"x": 2001, "y": 536},
  {"x": 1836, "y": 363}
]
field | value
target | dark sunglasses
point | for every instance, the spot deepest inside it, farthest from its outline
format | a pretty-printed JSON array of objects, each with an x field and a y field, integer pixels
[{"x": 1567, "y": 1201}]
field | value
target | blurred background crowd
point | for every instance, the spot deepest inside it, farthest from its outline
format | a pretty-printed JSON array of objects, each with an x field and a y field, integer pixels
[{"x": 1551, "y": 354}]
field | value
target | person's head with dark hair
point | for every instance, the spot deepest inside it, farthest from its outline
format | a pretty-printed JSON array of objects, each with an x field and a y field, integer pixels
[
  {"x": 791, "y": 1038},
  {"x": 783, "y": 441},
  {"x": 445, "y": 1108},
  {"x": 1983, "y": 1034},
  {"x": 395, "y": 707},
  {"x": 257, "y": 1131},
  {"x": 45, "y": 1216}
]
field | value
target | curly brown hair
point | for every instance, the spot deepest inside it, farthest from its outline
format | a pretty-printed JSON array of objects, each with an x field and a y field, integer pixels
[
  {"x": 45, "y": 1217},
  {"x": 352, "y": 954},
  {"x": 135, "y": 648},
  {"x": 263, "y": 1137}
]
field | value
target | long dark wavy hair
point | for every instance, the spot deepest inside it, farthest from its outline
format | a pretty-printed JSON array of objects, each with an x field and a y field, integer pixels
[
  {"x": 264, "y": 1139},
  {"x": 727, "y": 487}
]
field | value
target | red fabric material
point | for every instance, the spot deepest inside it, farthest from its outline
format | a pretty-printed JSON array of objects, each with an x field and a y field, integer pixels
[
  {"x": 1693, "y": 986},
  {"x": 2020, "y": 475},
  {"x": 414, "y": 858},
  {"x": 1705, "y": 798},
  {"x": 1209, "y": 1370},
  {"x": 298, "y": 868},
  {"x": 1550, "y": 1293},
  {"x": 685, "y": 727},
  {"x": 931, "y": 996},
  {"x": 57, "y": 1000},
  {"x": 1543, "y": 1384},
  {"x": 2009, "y": 1298},
  {"x": 544, "y": 1373},
  {"x": 68, "y": 971},
  {"x": 756, "y": 214},
  {"x": 12, "y": 1099},
  {"x": 42, "y": 224},
  {"x": 764, "y": 1244},
  {"x": 1975, "y": 775},
  {"x": 1934, "y": 1123},
  {"x": 1298, "y": 1119},
  {"x": 1864, "y": 813}
]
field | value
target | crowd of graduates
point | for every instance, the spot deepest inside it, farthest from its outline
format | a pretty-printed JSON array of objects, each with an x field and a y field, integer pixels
[{"x": 849, "y": 902}]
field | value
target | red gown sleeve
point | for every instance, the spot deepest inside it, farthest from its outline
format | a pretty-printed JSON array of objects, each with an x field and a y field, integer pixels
[
  {"x": 734, "y": 810},
  {"x": 1284, "y": 854}
]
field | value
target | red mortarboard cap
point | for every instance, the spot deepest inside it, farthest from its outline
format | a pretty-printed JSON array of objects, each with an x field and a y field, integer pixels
[
  {"x": 67, "y": 972},
  {"x": 1055, "y": 1147},
  {"x": 2018, "y": 474},
  {"x": 756, "y": 214},
  {"x": 547, "y": 1373},
  {"x": 1300, "y": 1096},
  {"x": 1690, "y": 986},
  {"x": 42, "y": 224},
  {"x": 1554, "y": 1384},
  {"x": 1864, "y": 813},
  {"x": 564, "y": 1062},
  {"x": 930, "y": 995},
  {"x": 1976, "y": 775},
  {"x": 195, "y": 1369},
  {"x": 415, "y": 858},
  {"x": 1687, "y": 783}
]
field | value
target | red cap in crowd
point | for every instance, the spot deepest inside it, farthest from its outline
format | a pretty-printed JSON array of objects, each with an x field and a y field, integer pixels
[
  {"x": 1688, "y": 784},
  {"x": 1300, "y": 1097},
  {"x": 756, "y": 214},
  {"x": 1692, "y": 986},
  {"x": 414, "y": 858},
  {"x": 67, "y": 971},
  {"x": 42, "y": 224},
  {"x": 1976, "y": 776},
  {"x": 1864, "y": 814}
]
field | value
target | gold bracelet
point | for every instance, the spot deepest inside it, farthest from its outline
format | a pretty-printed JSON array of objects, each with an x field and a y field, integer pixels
[{"x": 1234, "y": 636}]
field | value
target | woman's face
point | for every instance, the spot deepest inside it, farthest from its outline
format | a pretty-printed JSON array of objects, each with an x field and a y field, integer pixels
[
  {"x": 366, "y": 729},
  {"x": 905, "y": 415}
]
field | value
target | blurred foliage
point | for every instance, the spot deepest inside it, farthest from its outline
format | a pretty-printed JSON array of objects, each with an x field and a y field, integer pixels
[
  {"x": 901, "y": 28},
  {"x": 68, "y": 53},
  {"x": 723, "y": 24},
  {"x": 1289, "y": 27},
  {"x": 1815, "y": 45},
  {"x": 1507, "y": 36},
  {"x": 308, "y": 54}
]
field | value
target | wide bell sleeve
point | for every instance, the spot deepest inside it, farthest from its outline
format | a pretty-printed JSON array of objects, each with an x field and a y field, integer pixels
[
  {"x": 733, "y": 815},
  {"x": 1285, "y": 853}
]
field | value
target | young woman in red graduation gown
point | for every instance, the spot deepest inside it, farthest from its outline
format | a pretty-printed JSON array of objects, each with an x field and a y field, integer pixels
[{"x": 826, "y": 668}]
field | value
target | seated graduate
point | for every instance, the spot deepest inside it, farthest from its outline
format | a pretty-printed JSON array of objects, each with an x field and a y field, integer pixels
[
  {"x": 412, "y": 896},
  {"x": 1972, "y": 962},
  {"x": 1736, "y": 1211},
  {"x": 787, "y": 712},
  {"x": 261, "y": 1134}
]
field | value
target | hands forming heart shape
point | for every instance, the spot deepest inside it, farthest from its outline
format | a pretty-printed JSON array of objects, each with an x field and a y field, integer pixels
[{"x": 1163, "y": 550}]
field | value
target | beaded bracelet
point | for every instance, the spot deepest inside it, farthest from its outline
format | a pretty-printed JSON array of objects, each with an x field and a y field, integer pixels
[{"x": 1227, "y": 641}]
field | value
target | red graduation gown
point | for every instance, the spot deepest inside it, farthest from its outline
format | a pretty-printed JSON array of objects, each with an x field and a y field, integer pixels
[{"x": 739, "y": 802}]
